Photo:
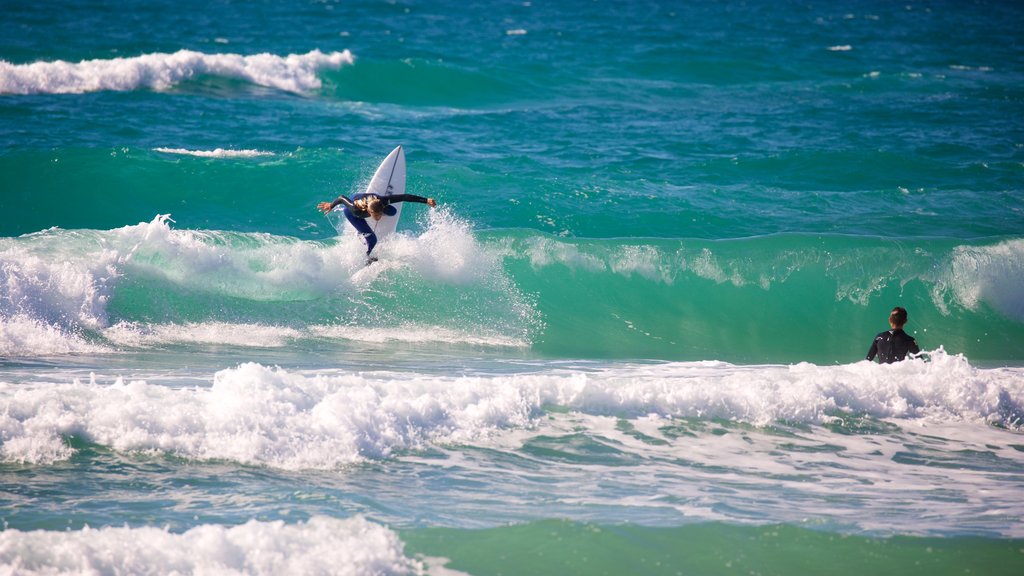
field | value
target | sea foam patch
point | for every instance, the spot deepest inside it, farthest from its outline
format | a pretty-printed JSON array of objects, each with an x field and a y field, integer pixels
[{"x": 295, "y": 73}]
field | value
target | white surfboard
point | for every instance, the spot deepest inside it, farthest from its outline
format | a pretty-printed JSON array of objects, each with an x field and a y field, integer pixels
[{"x": 389, "y": 179}]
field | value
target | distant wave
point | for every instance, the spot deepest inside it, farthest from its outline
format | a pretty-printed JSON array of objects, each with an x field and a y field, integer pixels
[
  {"x": 293, "y": 73},
  {"x": 216, "y": 153}
]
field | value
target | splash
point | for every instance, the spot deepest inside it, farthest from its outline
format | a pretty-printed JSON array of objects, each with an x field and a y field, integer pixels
[{"x": 296, "y": 73}]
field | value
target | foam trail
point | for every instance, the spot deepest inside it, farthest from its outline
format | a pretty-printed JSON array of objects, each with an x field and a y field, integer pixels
[
  {"x": 295, "y": 73},
  {"x": 320, "y": 546},
  {"x": 208, "y": 333},
  {"x": 216, "y": 153}
]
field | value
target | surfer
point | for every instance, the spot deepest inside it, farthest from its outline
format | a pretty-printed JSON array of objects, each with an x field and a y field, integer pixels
[
  {"x": 363, "y": 206},
  {"x": 893, "y": 345}
]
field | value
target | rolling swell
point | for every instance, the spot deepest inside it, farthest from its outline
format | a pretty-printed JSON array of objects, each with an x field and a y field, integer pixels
[{"x": 785, "y": 298}]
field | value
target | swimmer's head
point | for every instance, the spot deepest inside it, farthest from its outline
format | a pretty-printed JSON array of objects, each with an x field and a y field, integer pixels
[{"x": 898, "y": 317}]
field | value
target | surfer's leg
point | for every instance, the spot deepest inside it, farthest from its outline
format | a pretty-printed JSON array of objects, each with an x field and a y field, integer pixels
[{"x": 363, "y": 228}]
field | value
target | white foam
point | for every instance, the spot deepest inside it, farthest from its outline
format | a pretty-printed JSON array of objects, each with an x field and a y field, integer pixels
[
  {"x": 324, "y": 419},
  {"x": 293, "y": 73},
  {"x": 21, "y": 334},
  {"x": 321, "y": 545},
  {"x": 58, "y": 283},
  {"x": 215, "y": 153},
  {"x": 51, "y": 294}
]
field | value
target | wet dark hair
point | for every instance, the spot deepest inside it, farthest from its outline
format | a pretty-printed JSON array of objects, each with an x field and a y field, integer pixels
[
  {"x": 898, "y": 316},
  {"x": 374, "y": 205}
]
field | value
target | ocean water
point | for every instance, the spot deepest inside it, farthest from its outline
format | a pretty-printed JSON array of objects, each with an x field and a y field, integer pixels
[{"x": 629, "y": 340}]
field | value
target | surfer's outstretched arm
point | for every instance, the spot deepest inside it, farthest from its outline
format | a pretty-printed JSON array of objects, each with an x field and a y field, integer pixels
[
  {"x": 326, "y": 207},
  {"x": 409, "y": 198}
]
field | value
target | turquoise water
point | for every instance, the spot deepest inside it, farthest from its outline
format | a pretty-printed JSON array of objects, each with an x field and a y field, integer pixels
[{"x": 628, "y": 340}]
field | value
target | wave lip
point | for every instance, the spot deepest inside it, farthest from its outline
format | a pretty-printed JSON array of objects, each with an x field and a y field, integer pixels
[{"x": 296, "y": 73}]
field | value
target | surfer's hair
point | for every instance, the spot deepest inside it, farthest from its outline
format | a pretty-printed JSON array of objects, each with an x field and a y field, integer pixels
[
  {"x": 898, "y": 317},
  {"x": 374, "y": 205}
]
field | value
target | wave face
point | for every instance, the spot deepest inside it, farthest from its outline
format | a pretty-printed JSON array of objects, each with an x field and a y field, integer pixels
[{"x": 293, "y": 73}]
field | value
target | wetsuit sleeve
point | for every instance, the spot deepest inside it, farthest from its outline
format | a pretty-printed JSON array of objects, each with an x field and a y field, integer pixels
[
  {"x": 873, "y": 351},
  {"x": 913, "y": 347},
  {"x": 341, "y": 200},
  {"x": 403, "y": 198}
]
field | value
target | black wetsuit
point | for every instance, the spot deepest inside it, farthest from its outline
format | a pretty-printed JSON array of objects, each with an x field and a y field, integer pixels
[
  {"x": 892, "y": 345},
  {"x": 357, "y": 218}
]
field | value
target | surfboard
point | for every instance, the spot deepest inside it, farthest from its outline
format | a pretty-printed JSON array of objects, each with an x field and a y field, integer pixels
[{"x": 389, "y": 179}]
